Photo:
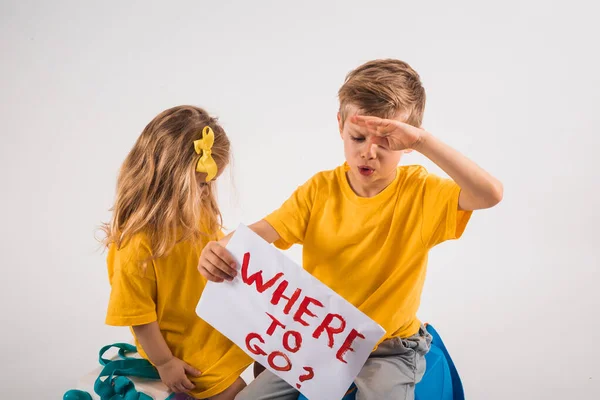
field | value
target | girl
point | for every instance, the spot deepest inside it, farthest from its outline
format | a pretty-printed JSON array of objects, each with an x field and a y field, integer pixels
[{"x": 164, "y": 214}]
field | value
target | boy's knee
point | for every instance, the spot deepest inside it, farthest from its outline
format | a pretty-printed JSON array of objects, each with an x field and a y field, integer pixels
[
  {"x": 245, "y": 394},
  {"x": 268, "y": 386}
]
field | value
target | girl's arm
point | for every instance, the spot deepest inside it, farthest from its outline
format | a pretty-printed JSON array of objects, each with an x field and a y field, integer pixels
[
  {"x": 153, "y": 343},
  {"x": 173, "y": 372}
]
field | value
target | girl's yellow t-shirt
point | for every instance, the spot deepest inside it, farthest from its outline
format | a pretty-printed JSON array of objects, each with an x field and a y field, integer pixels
[
  {"x": 167, "y": 290},
  {"x": 372, "y": 251}
]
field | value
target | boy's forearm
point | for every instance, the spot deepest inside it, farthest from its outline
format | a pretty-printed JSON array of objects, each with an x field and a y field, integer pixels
[
  {"x": 479, "y": 189},
  {"x": 262, "y": 228},
  {"x": 153, "y": 343}
]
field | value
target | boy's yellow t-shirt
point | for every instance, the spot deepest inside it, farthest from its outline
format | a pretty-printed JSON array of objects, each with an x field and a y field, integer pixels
[
  {"x": 372, "y": 251},
  {"x": 167, "y": 290}
]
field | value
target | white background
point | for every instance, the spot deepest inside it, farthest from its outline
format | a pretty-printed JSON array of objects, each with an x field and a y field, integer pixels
[{"x": 512, "y": 84}]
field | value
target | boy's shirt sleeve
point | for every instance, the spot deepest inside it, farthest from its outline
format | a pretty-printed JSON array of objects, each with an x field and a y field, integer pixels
[
  {"x": 291, "y": 219},
  {"x": 132, "y": 298},
  {"x": 442, "y": 220}
]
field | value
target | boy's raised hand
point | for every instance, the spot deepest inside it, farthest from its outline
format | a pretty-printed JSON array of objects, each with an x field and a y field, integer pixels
[
  {"x": 389, "y": 133},
  {"x": 216, "y": 263}
]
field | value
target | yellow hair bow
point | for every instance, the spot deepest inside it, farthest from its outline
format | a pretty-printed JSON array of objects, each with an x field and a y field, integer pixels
[{"x": 203, "y": 147}]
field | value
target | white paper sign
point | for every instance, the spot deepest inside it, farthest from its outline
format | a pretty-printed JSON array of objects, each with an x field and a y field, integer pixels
[{"x": 289, "y": 321}]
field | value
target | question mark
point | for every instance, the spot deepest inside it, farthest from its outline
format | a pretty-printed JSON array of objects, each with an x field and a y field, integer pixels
[{"x": 305, "y": 377}]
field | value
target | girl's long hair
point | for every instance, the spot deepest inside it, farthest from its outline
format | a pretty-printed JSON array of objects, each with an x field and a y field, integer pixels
[{"x": 159, "y": 191}]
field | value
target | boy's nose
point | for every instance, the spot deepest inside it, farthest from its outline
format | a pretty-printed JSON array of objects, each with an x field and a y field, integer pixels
[{"x": 370, "y": 151}]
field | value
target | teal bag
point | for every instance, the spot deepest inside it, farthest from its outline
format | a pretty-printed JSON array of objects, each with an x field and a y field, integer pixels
[
  {"x": 441, "y": 380},
  {"x": 116, "y": 385}
]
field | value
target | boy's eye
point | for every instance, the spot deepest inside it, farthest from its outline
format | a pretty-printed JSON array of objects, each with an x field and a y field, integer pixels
[{"x": 357, "y": 139}]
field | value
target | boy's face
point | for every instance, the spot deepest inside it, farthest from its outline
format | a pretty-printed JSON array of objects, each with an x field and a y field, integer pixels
[{"x": 369, "y": 163}]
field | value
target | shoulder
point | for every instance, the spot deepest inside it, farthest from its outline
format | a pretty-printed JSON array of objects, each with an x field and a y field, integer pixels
[
  {"x": 327, "y": 178},
  {"x": 133, "y": 253},
  {"x": 413, "y": 172},
  {"x": 417, "y": 181},
  {"x": 140, "y": 242},
  {"x": 417, "y": 176},
  {"x": 319, "y": 182}
]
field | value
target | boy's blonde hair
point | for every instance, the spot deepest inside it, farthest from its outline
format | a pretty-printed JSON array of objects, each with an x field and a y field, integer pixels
[
  {"x": 382, "y": 88},
  {"x": 159, "y": 191}
]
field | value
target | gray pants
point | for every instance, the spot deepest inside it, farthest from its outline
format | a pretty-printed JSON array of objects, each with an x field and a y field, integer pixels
[{"x": 391, "y": 372}]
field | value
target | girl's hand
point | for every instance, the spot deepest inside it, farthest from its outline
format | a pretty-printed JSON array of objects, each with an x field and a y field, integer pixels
[
  {"x": 390, "y": 133},
  {"x": 173, "y": 373},
  {"x": 216, "y": 263}
]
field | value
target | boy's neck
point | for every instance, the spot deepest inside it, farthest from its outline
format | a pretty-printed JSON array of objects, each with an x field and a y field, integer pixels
[{"x": 370, "y": 189}]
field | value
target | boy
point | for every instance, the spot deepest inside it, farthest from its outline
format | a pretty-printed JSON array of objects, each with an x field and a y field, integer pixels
[{"x": 367, "y": 226}]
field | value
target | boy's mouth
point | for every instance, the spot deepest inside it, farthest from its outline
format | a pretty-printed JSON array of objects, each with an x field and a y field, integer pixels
[{"x": 365, "y": 170}]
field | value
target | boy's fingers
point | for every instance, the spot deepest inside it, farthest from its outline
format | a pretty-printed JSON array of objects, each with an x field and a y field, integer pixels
[
  {"x": 381, "y": 126},
  {"x": 377, "y": 127},
  {"x": 367, "y": 120},
  {"x": 218, "y": 263},
  {"x": 206, "y": 273},
  {"x": 384, "y": 131},
  {"x": 224, "y": 260},
  {"x": 224, "y": 255},
  {"x": 361, "y": 123},
  {"x": 214, "y": 270},
  {"x": 375, "y": 122},
  {"x": 380, "y": 140},
  {"x": 357, "y": 121}
]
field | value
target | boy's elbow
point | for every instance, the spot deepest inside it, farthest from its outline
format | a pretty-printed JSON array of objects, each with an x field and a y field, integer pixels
[{"x": 496, "y": 194}]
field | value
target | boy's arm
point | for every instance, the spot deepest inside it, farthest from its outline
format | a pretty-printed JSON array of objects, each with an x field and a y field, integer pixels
[
  {"x": 217, "y": 264},
  {"x": 262, "y": 228},
  {"x": 478, "y": 188}
]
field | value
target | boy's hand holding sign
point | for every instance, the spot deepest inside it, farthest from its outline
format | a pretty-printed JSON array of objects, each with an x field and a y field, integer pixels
[{"x": 288, "y": 321}]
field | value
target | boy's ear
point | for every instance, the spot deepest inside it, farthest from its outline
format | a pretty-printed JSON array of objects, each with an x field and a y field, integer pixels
[{"x": 340, "y": 123}]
